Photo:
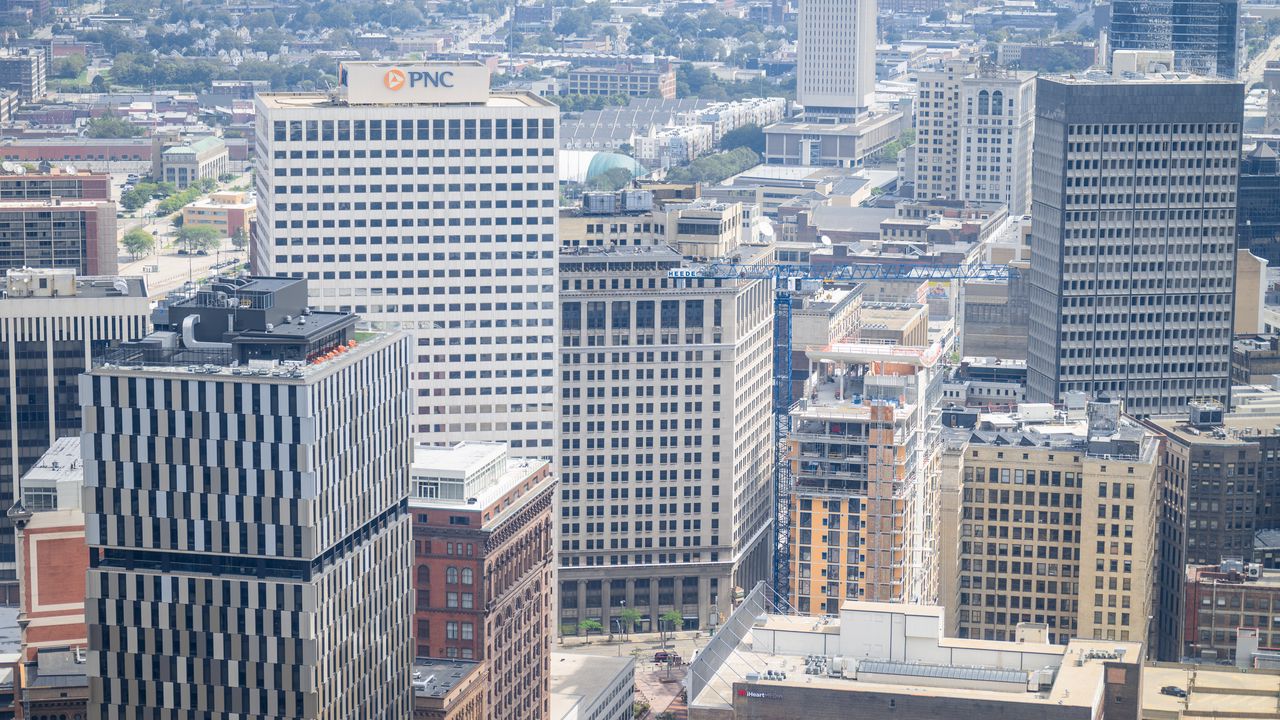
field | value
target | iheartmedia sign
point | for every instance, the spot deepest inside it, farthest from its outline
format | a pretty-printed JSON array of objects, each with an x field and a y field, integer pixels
[{"x": 381, "y": 83}]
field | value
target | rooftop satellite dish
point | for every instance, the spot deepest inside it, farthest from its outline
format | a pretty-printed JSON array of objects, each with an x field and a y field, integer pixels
[
  {"x": 825, "y": 240},
  {"x": 8, "y": 166},
  {"x": 71, "y": 169},
  {"x": 19, "y": 170}
]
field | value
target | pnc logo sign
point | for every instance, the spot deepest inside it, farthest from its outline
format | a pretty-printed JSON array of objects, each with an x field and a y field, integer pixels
[{"x": 396, "y": 78}]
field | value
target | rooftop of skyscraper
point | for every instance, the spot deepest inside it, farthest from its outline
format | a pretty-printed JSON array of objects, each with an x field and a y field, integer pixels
[
  {"x": 1099, "y": 429},
  {"x": 877, "y": 651},
  {"x": 43, "y": 284},
  {"x": 242, "y": 325}
]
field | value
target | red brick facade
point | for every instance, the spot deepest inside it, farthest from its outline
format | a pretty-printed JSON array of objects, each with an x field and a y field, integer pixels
[
  {"x": 53, "y": 560},
  {"x": 496, "y": 558}
]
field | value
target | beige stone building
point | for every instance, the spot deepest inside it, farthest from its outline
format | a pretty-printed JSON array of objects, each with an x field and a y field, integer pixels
[{"x": 1049, "y": 517}]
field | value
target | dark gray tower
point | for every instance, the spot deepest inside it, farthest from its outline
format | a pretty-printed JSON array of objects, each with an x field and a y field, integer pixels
[{"x": 1133, "y": 240}]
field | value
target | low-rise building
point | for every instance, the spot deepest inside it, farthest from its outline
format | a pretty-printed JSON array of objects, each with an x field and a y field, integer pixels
[
  {"x": 1225, "y": 598},
  {"x": 226, "y": 212},
  {"x": 671, "y": 146},
  {"x": 632, "y": 79},
  {"x": 592, "y": 687},
  {"x": 448, "y": 689},
  {"x": 878, "y": 660},
  {"x": 1255, "y": 359},
  {"x": 986, "y": 382},
  {"x": 844, "y": 144},
  {"x": 186, "y": 164},
  {"x": 55, "y": 684},
  {"x": 57, "y": 183}
]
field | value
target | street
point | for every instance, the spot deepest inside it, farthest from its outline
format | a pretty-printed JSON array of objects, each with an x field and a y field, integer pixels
[
  {"x": 172, "y": 269},
  {"x": 1253, "y": 73}
]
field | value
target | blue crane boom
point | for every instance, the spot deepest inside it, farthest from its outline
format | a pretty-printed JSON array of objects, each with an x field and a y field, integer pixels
[{"x": 786, "y": 281}]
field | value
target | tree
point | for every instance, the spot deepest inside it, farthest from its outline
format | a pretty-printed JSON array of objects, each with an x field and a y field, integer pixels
[
  {"x": 240, "y": 238},
  {"x": 68, "y": 67},
  {"x": 588, "y": 625},
  {"x": 111, "y": 126},
  {"x": 748, "y": 136},
  {"x": 714, "y": 168},
  {"x": 197, "y": 238},
  {"x": 610, "y": 180},
  {"x": 672, "y": 618},
  {"x": 628, "y": 619},
  {"x": 139, "y": 242}
]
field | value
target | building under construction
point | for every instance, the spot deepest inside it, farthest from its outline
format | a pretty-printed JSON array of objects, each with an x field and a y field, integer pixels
[{"x": 864, "y": 461}]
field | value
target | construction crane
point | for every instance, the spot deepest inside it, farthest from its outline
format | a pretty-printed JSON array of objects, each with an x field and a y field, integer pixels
[{"x": 787, "y": 281}]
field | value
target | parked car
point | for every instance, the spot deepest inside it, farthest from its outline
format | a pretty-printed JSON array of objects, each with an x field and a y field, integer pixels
[
  {"x": 666, "y": 656},
  {"x": 1173, "y": 690}
]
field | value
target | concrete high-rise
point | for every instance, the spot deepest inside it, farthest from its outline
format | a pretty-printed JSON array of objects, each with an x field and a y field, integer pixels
[
  {"x": 973, "y": 125},
  {"x": 422, "y": 201},
  {"x": 836, "y": 57},
  {"x": 51, "y": 324},
  {"x": 1203, "y": 34},
  {"x": 246, "y": 500},
  {"x": 666, "y": 443},
  {"x": 1051, "y": 519},
  {"x": 1133, "y": 242}
]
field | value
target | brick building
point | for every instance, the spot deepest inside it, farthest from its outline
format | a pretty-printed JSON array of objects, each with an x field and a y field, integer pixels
[
  {"x": 52, "y": 556},
  {"x": 226, "y": 212},
  {"x": 56, "y": 183},
  {"x": 483, "y": 574},
  {"x": 1225, "y": 598}
]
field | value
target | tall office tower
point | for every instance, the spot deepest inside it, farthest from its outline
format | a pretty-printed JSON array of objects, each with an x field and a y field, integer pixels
[
  {"x": 51, "y": 323},
  {"x": 1133, "y": 240},
  {"x": 1258, "y": 222},
  {"x": 1203, "y": 34},
  {"x": 836, "y": 57},
  {"x": 997, "y": 111},
  {"x": 973, "y": 125},
  {"x": 246, "y": 497},
  {"x": 864, "y": 452},
  {"x": 666, "y": 439},
  {"x": 418, "y": 199},
  {"x": 1052, "y": 520},
  {"x": 485, "y": 547}
]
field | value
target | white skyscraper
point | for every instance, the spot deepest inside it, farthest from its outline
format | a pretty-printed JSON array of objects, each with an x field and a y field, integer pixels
[
  {"x": 418, "y": 199},
  {"x": 836, "y": 57}
]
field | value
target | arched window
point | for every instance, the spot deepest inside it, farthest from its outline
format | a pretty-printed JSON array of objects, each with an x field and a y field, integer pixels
[
  {"x": 424, "y": 576},
  {"x": 451, "y": 575},
  {"x": 997, "y": 103},
  {"x": 467, "y": 576},
  {"x": 984, "y": 103}
]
